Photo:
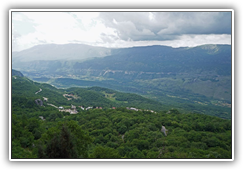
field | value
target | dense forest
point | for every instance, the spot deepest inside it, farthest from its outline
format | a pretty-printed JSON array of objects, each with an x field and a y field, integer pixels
[
  {"x": 118, "y": 133},
  {"x": 117, "y": 125}
]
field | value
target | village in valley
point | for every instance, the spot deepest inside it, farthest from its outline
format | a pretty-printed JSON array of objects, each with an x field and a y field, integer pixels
[{"x": 73, "y": 108}]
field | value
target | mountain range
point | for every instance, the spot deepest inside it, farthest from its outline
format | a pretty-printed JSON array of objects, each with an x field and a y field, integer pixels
[
  {"x": 60, "y": 52},
  {"x": 189, "y": 78},
  {"x": 155, "y": 59},
  {"x": 137, "y": 59}
]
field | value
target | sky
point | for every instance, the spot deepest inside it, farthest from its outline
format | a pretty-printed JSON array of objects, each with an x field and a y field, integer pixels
[{"x": 120, "y": 29}]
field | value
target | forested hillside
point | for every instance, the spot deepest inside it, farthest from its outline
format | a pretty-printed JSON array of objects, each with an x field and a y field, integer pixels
[{"x": 118, "y": 125}]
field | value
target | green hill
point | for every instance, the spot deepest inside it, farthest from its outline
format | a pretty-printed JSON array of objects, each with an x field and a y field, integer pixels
[
  {"x": 43, "y": 131},
  {"x": 17, "y": 73},
  {"x": 183, "y": 100},
  {"x": 86, "y": 97}
]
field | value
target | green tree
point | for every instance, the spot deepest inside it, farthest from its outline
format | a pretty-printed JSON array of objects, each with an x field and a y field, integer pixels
[
  {"x": 152, "y": 154},
  {"x": 81, "y": 140},
  {"x": 105, "y": 152},
  {"x": 132, "y": 134},
  {"x": 174, "y": 111},
  {"x": 37, "y": 133},
  {"x": 41, "y": 151},
  {"x": 20, "y": 152},
  {"x": 65, "y": 141},
  {"x": 122, "y": 129},
  {"x": 61, "y": 145},
  {"x": 54, "y": 115},
  {"x": 211, "y": 141},
  {"x": 136, "y": 154},
  {"x": 32, "y": 124},
  {"x": 140, "y": 144}
]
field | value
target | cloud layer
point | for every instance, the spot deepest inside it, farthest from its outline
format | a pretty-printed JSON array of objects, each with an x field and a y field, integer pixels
[
  {"x": 166, "y": 25},
  {"x": 120, "y": 29}
]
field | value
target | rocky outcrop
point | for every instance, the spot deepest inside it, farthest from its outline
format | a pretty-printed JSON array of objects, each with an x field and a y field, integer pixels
[
  {"x": 39, "y": 102},
  {"x": 123, "y": 137},
  {"x": 164, "y": 130}
]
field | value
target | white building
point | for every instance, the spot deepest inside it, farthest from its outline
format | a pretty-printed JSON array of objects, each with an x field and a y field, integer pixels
[
  {"x": 41, "y": 117},
  {"x": 73, "y": 112},
  {"x": 45, "y": 99},
  {"x": 81, "y": 107},
  {"x": 73, "y": 107},
  {"x": 133, "y": 109},
  {"x": 89, "y": 108}
]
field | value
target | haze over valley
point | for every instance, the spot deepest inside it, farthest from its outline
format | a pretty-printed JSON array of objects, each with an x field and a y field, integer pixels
[{"x": 198, "y": 75}]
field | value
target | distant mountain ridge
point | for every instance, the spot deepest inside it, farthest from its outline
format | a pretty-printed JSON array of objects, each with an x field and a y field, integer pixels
[
  {"x": 60, "y": 52},
  {"x": 165, "y": 59},
  {"x": 58, "y": 58},
  {"x": 82, "y": 51}
]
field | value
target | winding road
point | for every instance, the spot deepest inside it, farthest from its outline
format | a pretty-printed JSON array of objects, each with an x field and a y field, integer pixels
[{"x": 38, "y": 91}]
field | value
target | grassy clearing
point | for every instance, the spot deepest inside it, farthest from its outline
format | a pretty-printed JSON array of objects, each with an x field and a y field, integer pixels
[{"x": 111, "y": 97}]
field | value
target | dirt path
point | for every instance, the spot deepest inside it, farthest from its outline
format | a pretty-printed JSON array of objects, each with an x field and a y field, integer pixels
[
  {"x": 38, "y": 91},
  {"x": 52, "y": 105}
]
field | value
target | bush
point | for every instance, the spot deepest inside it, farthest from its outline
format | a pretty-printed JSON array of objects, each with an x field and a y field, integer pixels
[
  {"x": 136, "y": 154},
  {"x": 122, "y": 129},
  {"x": 105, "y": 152},
  {"x": 212, "y": 142}
]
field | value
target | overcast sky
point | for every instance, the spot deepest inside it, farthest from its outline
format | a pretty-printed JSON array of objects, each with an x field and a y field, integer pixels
[{"x": 120, "y": 29}]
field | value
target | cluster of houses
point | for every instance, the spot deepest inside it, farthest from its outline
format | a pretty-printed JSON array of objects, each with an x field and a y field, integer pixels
[
  {"x": 151, "y": 111},
  {"x": 89, "y": 108},
  {"x": 132, "y": 108},
  {"x": 135, "y": 109},
  {"x": 93, "y": 108},
  {"x": 73, "y": 109}
]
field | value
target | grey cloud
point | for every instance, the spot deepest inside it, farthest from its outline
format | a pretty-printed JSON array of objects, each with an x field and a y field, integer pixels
[
  {"x": 166, "y": 25},
  {"x": 198, "y": 22},
  {"x": 108, "y": 38},
  {"x": 129, "y": 25}
]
